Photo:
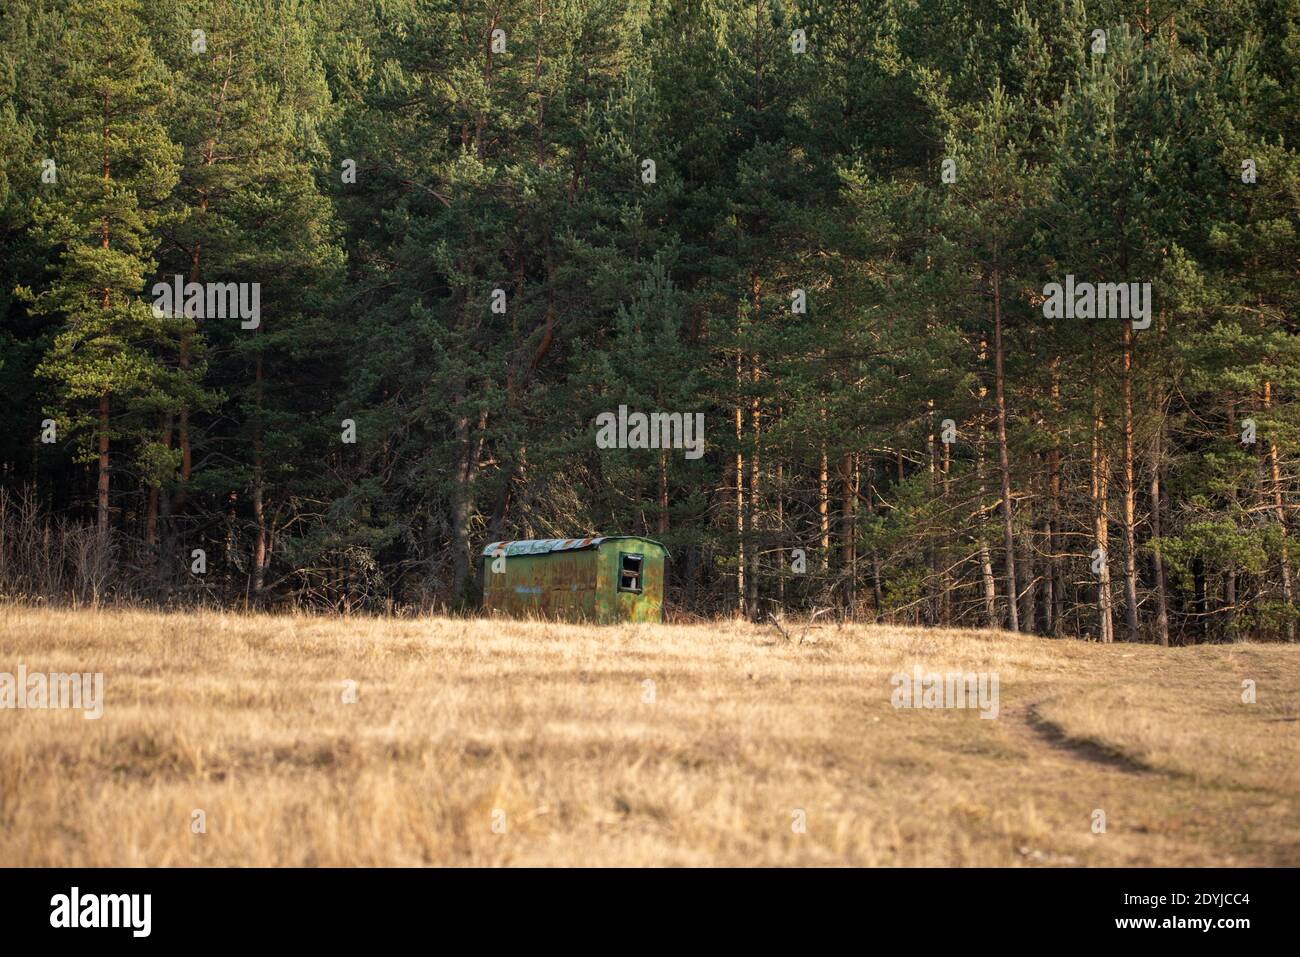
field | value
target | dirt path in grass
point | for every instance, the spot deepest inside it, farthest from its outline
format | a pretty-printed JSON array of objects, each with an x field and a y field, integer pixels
[{"x": 1113, "y": 810}]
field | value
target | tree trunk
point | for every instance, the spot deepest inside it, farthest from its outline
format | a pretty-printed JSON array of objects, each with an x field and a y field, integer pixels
[
  {"x": 824, "y": 502},
  {"x": 1130, "y": 520},
  {"x": 462, "y": 502},
  {"x": 1279, "y": 511},
  {"x": 751, "y": 504},
  {"x": 228, "y": 556},
  {"x": 1157, "y": 564},
  {"x": 1056, "y": 578},
  {"x": 740, "y": 484},
  {"x": 945, "y": 612},
  {"x": 259, "y": 507},
  {"x": 877, "y": 575},
  {"x": 779, "y": 545},
  {"x": 101, "y": 498},
  {"x": 662, "y": 526},
  {"x": 1230, "y": 573},
  {"x": 1029, "y": 618},
  {"x": 934, "y": 589},
  {"x": 1049, "y": 581},
  {"x": 1101, "y": 518},
  {"x": 986, "y": 562},
  {"x": 848, "y": 530},
  {"x": 1008, "y": 533}
]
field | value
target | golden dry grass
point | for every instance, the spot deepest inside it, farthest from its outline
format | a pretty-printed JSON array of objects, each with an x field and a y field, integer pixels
[{"x": 242, "y": 717}]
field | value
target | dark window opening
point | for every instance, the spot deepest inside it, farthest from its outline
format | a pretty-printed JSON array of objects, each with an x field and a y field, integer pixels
[{"x": 629, "y": 572}]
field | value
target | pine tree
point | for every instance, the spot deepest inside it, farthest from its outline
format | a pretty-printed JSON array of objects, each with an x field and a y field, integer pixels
[{"x": 117, "y": 166}]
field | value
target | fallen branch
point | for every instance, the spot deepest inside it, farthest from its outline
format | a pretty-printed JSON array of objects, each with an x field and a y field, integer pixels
[
  {"x": 817, "y": 613},
  {"x": 784, "y": 633},
  {"x": 813, "y": 617}
]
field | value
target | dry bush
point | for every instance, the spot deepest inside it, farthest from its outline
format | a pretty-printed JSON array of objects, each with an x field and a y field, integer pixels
[{"x": 48, "y": 559}]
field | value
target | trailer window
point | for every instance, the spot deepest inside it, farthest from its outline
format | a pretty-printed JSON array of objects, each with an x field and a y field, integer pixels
[{"x": 629, "y": 572}]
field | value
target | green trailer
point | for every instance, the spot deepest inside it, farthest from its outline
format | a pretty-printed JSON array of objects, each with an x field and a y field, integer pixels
[{"x": 601, "y": 579}]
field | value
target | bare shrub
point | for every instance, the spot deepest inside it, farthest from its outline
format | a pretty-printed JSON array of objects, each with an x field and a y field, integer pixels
[{"x": 52, "y": 560}]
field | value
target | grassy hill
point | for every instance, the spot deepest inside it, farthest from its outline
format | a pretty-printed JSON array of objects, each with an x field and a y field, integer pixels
[{"x": 493, "y": 742}]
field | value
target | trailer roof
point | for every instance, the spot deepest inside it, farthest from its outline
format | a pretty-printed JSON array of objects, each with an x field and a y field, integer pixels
[{"x": 542, "y": 546}]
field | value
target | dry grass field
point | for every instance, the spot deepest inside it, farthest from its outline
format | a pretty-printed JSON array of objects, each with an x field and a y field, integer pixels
[{"x": 552, "y": 733}]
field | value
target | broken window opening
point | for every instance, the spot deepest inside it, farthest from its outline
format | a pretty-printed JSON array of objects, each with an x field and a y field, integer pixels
[{"x": 629, "y": 572}]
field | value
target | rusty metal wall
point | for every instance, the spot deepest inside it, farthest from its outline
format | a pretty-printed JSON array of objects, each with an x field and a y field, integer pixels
[
  {"x": 554, "y": 585},
  {"x": 613, "y": 605}
]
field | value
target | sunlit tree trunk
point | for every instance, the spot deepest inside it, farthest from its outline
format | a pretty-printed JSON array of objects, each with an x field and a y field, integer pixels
[
  {"x": 1004, "y": 466},
  {"x": 1130, "y": 510}
]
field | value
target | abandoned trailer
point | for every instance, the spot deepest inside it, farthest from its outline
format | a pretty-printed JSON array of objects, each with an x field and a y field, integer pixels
[{"x": 604, "y": 579}]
